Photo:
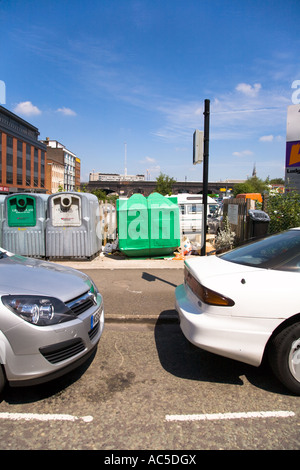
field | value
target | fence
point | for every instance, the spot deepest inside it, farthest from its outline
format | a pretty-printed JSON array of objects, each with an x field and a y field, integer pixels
[
  {"x": 237, "y": 211},
  {"x": 108, "y": 221}
]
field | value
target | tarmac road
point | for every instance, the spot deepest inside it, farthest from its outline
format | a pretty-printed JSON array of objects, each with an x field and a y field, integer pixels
[
  {"x": 143, "y": 375},
  {"x": 135, "y": 289},
  {"x": 138, "y": 294}
]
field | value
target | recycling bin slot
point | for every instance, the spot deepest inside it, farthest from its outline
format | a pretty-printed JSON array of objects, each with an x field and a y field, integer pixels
[
  {"x": 73, "y": 228},
  {"x": 21, "y": 211},
  {"x": 23, "y": 227}
]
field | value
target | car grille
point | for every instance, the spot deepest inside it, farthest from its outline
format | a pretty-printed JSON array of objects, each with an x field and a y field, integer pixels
[
  {"x": 82, "y": 303},
  {"x": 93, "y": 332},
  {"x": 62, "y": 351}
]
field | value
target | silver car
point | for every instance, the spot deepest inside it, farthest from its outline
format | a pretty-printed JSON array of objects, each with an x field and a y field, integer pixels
[{"x": 51, "y": 319}]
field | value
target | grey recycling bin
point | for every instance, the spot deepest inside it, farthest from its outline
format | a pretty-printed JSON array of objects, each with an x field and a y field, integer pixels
[
  {"x": 2, "y": 199},
  {"x": 73, "y": 226},
  {"x": 23, "y": 226},
  {"x": 259, "y": 223}
]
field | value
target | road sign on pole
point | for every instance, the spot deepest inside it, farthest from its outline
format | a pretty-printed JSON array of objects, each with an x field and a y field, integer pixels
[
  {"x": 197, "y": 147},
  {"x": 292, "y": 160},
  {"x": 205, "y": 170}
]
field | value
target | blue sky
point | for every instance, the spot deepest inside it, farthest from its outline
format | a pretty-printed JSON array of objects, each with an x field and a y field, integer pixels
[{"x": 96, "y": 74}]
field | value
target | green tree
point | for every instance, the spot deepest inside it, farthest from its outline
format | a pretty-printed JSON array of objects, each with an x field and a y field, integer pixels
[
  {"x": 251, "y": 185},
  {"x": 164, "y": 184},
  {"x": 102, "y": 196},
  {"x": 276, "y": 181}
]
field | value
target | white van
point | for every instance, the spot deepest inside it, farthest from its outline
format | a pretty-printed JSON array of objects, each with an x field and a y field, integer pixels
[{"x": 190, "y": 210}]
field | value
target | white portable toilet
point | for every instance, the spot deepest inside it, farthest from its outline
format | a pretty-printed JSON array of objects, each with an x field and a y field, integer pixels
[{"x": 72, "y": 226}]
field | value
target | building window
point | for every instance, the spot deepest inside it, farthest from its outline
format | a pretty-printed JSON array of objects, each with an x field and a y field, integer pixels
[
  {"x": 0, "y": 157},
  {"x": 42, "y": 169},
  {"x": 36, "y": 168},
  {"x": 9, "y": 160},
  {"x": 20, "y": 163},
  {"x": 28, "y": 165}
]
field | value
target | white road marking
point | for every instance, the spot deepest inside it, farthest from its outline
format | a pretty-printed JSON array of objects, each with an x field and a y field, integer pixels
[
  {"x": 44, "y": 417},
  {"x": 220, "y": 416}
]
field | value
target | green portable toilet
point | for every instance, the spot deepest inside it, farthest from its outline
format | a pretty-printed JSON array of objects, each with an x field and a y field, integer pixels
[
  {"x": 164, "y": 224},
  {"x": 132, "y": 220},
  {"x": 148, "y": 226}
]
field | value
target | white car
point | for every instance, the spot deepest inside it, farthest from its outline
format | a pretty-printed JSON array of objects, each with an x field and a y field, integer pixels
[{"x": 245, "y": 303}]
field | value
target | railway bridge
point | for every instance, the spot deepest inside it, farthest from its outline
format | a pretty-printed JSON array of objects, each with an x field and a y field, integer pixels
[{"x": 127, "y": 188}]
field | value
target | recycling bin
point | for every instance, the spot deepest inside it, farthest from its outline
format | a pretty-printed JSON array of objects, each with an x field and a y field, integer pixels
[
  {"x": 23, "y": 226},
  {"x": 73, "y": 226},
  {"x": 148, "y": 226},
  {"x": 2, "y": 199},
  {"x": 258, "y": 223}
]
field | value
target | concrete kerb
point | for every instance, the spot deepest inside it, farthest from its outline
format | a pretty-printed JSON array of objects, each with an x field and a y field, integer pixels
[
  {"x": 119, "y": 262},
  {"x": 113, "y": 262}
]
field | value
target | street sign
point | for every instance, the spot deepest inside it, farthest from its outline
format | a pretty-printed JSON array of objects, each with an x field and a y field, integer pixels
[
  {"x": 292, "y": 159},
  {"x": 198, "y": 147}
]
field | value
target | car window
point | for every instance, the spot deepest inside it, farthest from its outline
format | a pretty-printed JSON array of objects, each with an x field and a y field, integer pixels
[
  {"x": 181, "y": 208},
  {"x": 280, "y": 251},
  {"x": 193, "y": 208}
]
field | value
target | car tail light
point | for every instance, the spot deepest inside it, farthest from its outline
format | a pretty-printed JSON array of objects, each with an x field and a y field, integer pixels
[{"x": 206, "y": 295}]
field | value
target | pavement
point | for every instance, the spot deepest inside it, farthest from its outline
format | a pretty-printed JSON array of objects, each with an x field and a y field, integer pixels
[{"x": 116, "y": 261}]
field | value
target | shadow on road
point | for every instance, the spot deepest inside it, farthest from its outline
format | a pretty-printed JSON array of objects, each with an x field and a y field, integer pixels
[
  {"x": 151, "y": 278},
  {"x": 35, "y": 393},
  {"x": 182, "y": 359}
]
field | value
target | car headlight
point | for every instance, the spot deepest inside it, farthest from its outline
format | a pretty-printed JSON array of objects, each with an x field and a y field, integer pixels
[{"x": 38, "y": 310}]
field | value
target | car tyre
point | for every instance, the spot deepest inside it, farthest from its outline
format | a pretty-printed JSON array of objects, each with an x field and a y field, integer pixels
[
  {"x": 2, "y": 380},
  {"x": 284, "y": 357}
]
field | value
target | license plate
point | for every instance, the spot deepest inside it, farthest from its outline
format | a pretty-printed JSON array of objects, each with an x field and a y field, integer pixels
[{"x": 96, "y": 317}]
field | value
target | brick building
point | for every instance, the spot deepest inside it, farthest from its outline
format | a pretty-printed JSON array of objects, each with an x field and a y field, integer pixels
[
  {"x": 23, "y": 157},
  {"x": 63, "y": 167}
]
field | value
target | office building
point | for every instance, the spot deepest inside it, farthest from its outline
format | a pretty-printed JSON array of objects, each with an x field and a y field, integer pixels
[
  {"x": 22, "y": 155},
  {"x": 63, "y": 167}
]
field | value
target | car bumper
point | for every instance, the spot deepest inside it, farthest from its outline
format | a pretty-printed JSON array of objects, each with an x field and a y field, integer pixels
[
  {"x": 50, "y": 352},
  {"x": 239, "y": 338}
]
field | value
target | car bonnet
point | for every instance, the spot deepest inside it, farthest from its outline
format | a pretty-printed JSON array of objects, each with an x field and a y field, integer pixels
[{"x": 21, "y": 275}]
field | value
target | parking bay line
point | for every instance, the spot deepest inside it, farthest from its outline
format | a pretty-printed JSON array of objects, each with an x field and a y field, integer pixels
[
  {"x": 44, "y": 417},
  {"x": 224, "y": 416}
]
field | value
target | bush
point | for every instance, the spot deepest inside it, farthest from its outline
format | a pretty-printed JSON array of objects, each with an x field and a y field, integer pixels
[
  {"x": 284, "y": 211},
  {"x": 225, "y": 238}
]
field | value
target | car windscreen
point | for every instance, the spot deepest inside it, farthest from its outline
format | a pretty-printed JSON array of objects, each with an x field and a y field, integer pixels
[{"x": 280, "y": 251}]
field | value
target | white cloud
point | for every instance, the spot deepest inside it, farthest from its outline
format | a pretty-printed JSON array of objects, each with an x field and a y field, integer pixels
[
  {"x": 243, "y": 153},
  {"x": 271, "y": 138},
  {"x": 149, "y": 160},
  {"x": 66, "y": 111},
  {"x": 154, "y": 170},
  {"x": 249, "y": 90},
  {"x": 267, "y": 138},
  {"x": 26, "y": 108}
]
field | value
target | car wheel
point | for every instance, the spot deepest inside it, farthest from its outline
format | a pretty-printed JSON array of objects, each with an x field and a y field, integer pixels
[{"x": 284, "y": 357}]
